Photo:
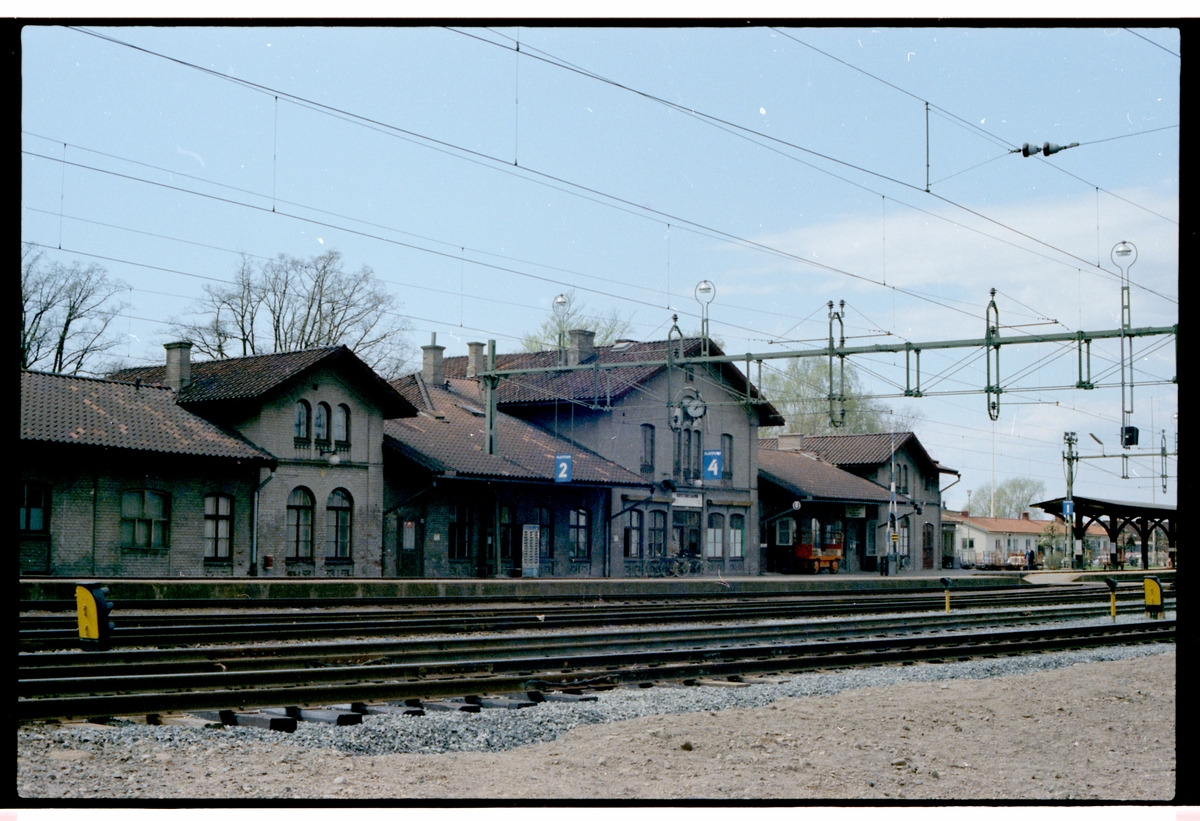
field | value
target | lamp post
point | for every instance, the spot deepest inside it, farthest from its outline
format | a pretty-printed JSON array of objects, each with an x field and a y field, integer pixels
[
  {"x": 705, "y": 293},
  {"x": 561, "y": 305},
  {"x": 1124, "y": 255}
]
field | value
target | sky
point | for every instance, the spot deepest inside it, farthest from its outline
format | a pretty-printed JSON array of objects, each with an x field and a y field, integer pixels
[{"x": 790, "y": 166}]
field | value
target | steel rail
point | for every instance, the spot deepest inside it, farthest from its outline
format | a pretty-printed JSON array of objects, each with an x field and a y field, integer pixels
[
  {"x": 275, "y": 656},
  {"x": 246, "y": 626},
  {"x": 392, "y": 682}
]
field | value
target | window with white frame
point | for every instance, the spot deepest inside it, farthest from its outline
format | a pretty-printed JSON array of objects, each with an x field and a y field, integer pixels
[
  {"x": 714, "y": 547},
  {"x": 737, "y": 536}
]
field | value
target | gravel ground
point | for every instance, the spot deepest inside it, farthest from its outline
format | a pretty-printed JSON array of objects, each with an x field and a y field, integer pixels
[{"x": 1083, "y": 725}]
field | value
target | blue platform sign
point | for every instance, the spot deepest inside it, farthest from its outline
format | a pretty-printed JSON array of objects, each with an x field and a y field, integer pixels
[
  {"x": 562, "y": 467},
  {"x": 713, "y": 464},
  {"x": 1068, "y": 508}
]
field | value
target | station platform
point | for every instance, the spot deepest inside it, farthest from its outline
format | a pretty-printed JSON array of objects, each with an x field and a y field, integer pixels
[{"x": 59, "y": 593}]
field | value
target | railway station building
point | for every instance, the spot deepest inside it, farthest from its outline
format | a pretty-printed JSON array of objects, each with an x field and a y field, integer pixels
[
  {"x": 688, "y": 432},
  {"x": 816, "y": 516},
  {"x": 255, "y": 466},
  {"x": 873, "y": 457}
]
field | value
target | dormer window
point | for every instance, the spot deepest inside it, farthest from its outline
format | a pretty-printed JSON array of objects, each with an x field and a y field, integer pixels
[
  {"x": 321, "y": 422},
  {"x": 300, "y": 424}
]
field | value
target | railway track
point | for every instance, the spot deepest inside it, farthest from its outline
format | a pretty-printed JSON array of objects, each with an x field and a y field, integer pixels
[
  {"x": 145, "y": 682},
  {"x": 51, "y": 631}
]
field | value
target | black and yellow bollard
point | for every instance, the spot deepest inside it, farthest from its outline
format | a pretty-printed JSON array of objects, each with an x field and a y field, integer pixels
[
  {"x": 946, "y": 584},
  {"x": 1154, "y": 603},
  {"x": 93, "y": 607},
  {"x": 1112, "y": 596}
]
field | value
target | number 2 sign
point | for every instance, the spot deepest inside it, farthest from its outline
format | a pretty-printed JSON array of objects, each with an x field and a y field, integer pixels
[{"x": 562, "y": 467}]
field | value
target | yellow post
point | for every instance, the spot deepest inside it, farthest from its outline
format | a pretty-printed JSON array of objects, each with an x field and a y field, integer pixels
[
  {"x": 1112, "y": 596},
  {"x": 1154, "y": 605}
]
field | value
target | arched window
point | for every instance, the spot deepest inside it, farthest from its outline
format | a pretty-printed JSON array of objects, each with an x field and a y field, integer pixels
[
  {"x": 337, "y": 525},
  {"x": 648, "y": 449},
  {"x": 300, "y": 423},
  {"x": 299, "y": 524},
  {"x": 714, "y": 541},
  {"x": 737, "y": 536},
  {"x": 341, "y": 424},
  {"x": 633, "y": 535},
  {"x": 218, "y": 526},
  {"x": 321, "y": 422},
  {"x": 35, "y": 508},
  {"x": 726, "y": 457}
]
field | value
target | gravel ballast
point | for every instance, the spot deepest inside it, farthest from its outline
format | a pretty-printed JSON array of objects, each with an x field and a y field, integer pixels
[{"x": 1081, "y": 725}]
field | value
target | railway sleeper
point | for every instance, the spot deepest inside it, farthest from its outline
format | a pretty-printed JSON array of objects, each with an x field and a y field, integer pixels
[
  {"x": 501, "y": 702},
  {"x": 337, "y": 717},
  {"x": 230, "y": 718}
]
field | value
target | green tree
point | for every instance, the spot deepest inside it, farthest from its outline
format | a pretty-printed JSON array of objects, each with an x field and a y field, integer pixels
[
  {"x": 800, "y": 391},
  {"x": 290, "y": 304},
  {"x": 1013, "y": 497},
  {"x": 573, "y": 315}
]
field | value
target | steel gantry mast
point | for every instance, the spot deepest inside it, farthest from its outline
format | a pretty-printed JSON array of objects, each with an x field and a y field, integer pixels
[{"x": 991, "y": 342}]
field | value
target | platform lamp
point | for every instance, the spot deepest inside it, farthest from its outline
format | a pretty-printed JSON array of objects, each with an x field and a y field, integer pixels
[
  {"x": 562, "y": 304},
  {"x": 705, "y": 293}
]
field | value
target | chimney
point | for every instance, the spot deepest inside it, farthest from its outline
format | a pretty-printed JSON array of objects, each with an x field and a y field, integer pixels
[
  {"x": 791, "y": 441},
  {"x": 476, "y": 359},
  {"x": 966, "y": 514},
  {"x": 179, "y": 365},
  {"x": 580, "y": 348},
  {"x": 431, "y": 362},
  {"x": 1025, "y": 515}
]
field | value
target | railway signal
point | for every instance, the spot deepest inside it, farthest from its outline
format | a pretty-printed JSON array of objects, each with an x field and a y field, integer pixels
[{"x": 93, "y": 608}]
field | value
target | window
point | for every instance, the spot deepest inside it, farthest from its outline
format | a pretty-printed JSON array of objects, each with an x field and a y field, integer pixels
[
  {"x": 321, "y": 423},
  {"x": 737, "y": 536},
  {"x": 35, "y": 508},
  {"x": 300, "y": 429},
  {"x": 687, "y": 532},
  {"x": 633, "y": 535},
  {"x": 714, "y": 540},
  {"x": 903, "y": 548},
  {"x": 341, "y": 425},
  {"x": 783, "y": 532},
  {"x": 546, "y": 532},
  {"x": 299, "y": 524},
  {"x": 904, "y": 472},
  {"x": 647, "y": 448},
  {"x": 726, "y": 457},
  {"x": 218, "y": 526},
  {"x": 144, "y": 517},
  {"x": 507, "y": 533},
  {"x": 697, "y": 456},
  {"x": 338, "y": 510},
  {"x": 687, "y": 454},
  {"x": 581, "y": 534},
  {"x": 462, "y": 528},
  {"x": 658, "y": 533}
]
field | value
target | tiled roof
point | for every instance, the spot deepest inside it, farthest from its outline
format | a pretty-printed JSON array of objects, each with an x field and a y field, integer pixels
[
  {"x": 601, "y": 386},
  {"x": 251, "y": 377},
  {"x": 456, "y": 441},
  {"x": 859, "y": 449},
  {"x": 807, "y": 474},
  {"x": 998, "y": 525},
  {"x": 77, "y": 410}
]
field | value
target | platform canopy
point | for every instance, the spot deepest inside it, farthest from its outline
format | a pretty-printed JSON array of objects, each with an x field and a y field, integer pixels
[{"x": 1114, "y": 516}]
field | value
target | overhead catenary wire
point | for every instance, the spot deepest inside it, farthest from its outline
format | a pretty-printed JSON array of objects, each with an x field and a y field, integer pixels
[{"x": 295, "y": 98}]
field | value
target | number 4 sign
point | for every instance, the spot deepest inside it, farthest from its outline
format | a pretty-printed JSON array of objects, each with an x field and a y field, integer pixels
[
  {"x": 562, "y": 467},
  {"x": 713, "y": 464}
]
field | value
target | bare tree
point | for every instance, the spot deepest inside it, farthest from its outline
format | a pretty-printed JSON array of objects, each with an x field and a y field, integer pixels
[
  {"x": 1013, "y": 497},
  {"x": 291, "y": 304},
  {"x": 65, "y": 314},
  {"x": 609, "y": 327},
  {"x": 800, "y": 390}
]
